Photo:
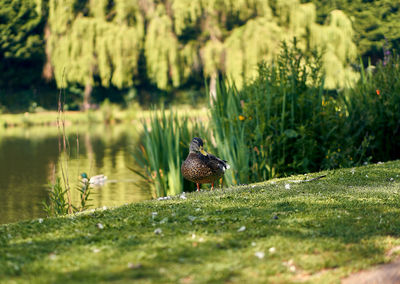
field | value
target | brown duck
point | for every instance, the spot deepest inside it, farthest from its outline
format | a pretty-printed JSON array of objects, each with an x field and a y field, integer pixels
[{"x": 202, "y": 167}]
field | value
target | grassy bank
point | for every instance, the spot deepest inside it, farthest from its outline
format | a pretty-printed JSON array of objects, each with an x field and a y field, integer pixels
[
  {"x": 49, "y": 118},
  {"x": 279, "y": 231}
]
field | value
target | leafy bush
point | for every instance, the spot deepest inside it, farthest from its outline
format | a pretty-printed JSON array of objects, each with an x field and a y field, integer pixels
[
  {"x": 373, "y": 111},
  {"x": 280, "y": 123}
]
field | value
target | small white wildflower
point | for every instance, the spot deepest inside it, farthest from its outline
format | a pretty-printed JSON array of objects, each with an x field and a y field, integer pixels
[
  {"x": 273, "y": 182},
  {"x": 253, "y": 244},
  {"x": 241, "y": 229},
  {"x": 292, "y": 268},
  {"x": 353, "y": 170},
  {"x": 366, "y": 176},
  {"x": 96, "y": 250},
  {"x": 287, "y": 186},
  {"x": 391, "y": 179},
  {"x": 52, "y": 256},
  {"x": 193, "y": 236},
  {"x": 365, "y": 163},
  {"x": 104, "y": 207},
  {"x": 100, "y": 226},
  {"x": 201, "y": 240},
  {"x": 182, "y": 196},
  {"x": 198, "y": 209},
  {"x": 253, "y": 186},
  {"x": 259, "y": 254},
  {"x": 271, "y": 250},
  {"x": 379, "y": 163},
  {"x": 191, "y": 218},
  {"x": 40, "y": 220},
  {"x": 157, "y": 231}
]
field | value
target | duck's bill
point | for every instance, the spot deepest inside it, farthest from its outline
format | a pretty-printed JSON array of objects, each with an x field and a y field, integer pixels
[{"x": 203, "y": 152}]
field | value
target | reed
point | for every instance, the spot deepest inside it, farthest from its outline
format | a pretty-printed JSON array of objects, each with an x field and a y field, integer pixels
[{"x": 165, "y": 145}]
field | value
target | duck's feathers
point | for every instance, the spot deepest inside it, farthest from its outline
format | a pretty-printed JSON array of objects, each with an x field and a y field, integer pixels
[
  {"x": 203, "y": 169},
  {"x": 216, "y": 162}
]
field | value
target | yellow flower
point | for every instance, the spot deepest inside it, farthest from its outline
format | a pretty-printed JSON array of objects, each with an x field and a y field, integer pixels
[{"x": 241, "y": 117}]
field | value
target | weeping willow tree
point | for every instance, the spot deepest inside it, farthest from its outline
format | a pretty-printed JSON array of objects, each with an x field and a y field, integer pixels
[
  {"x": 100, "y": 42},
  {"x": 84, "y": 47}
]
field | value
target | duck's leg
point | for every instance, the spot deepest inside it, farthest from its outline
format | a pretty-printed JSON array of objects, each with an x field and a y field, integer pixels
[
  {"x": 212, "y": 186},
  {"x": 198, "y": 187},
  {"x": 220, "y": 183}
]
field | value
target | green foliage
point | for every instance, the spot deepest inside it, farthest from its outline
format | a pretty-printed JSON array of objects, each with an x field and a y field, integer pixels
[
  {"x": 187, "y": 39},
  {"x": 279, "y": 123},
  {"x": 87, "y": 47},
  {"x": 373, "y": 22},
  {"x": 373, "y": 110},
  {"x": 21, "y": 43},
  {"x": 58, "y": 204}
]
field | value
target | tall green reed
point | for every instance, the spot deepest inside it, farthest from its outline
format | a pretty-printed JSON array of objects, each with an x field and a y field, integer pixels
[{"x": 164, "y": 148}]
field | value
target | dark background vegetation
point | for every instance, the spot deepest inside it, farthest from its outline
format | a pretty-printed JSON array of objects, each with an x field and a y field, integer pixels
[{"x": 26, "y": 77}]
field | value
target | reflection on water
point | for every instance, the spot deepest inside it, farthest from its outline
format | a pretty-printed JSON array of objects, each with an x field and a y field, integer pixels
[{"x": 29, "y": 156}]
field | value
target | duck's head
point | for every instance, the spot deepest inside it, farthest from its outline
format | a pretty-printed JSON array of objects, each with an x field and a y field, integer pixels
[
  {"x": 84, "y": 175},
  {"x": 196, "y": 146}
]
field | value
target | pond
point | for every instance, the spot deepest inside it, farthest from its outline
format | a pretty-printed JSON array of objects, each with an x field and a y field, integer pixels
[{"x": 30, "y": 159}]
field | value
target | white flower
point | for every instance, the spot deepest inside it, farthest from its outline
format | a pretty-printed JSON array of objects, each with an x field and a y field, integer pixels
[
  {"x": 157, "y": 231},
  {"x": 253, "y": 244},
  {"x": 100, "y": 226},
  {"x": 272, "y": 250},
  {"x": 241, "y": 229},
  {"x": 104, "y": 207},
  {"x": 260, "y": 254},
  {"x": 96, "y": 250},
  {"x": 182, "y": 196},
  {"x": 287, "y": 186},
  {"x": 366, "y": 176},
  {"x": 40, "y": 220}
]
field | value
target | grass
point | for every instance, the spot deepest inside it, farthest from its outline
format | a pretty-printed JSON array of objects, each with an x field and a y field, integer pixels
[
  {"x": 96, "y": 116},
  {"x": 279, "y": 231}
]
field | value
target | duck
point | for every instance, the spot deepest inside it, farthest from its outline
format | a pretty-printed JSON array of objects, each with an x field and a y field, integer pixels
[
  {"x": 95, "y": 180},
  {"x": 201, "y": 167}
]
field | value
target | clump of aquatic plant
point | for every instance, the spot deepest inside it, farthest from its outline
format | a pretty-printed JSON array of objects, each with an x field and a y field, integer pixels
[
  {"x": 57, "y": 204},
  {"x": 164, "y": 146}
]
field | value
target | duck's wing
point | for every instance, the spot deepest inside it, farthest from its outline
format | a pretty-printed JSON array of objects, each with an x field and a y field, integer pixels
[{"x": 217, "y": 163}]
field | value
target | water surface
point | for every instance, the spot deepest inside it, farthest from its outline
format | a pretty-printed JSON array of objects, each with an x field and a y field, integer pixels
[{"x": 30, "y": 159}]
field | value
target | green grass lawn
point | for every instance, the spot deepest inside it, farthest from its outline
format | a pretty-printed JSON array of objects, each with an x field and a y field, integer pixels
[{"x": 278, "y": 231}]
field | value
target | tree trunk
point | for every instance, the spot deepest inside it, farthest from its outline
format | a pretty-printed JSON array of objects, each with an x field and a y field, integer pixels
[{"x": 86, "y": 96}]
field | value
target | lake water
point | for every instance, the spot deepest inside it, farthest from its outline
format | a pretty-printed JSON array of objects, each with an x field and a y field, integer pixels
[{"x": 29, "y": 157}]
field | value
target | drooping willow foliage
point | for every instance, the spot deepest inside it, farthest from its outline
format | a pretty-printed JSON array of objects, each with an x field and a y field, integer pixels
[{"x": 180, "y": 39}]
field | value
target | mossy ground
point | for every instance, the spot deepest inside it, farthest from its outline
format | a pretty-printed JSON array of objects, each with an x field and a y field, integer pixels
[{"x": 278, "y": 231}]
